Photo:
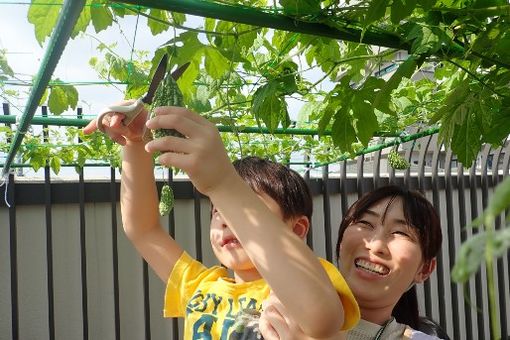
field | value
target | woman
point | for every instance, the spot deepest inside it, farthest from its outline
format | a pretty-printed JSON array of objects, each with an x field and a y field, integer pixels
[{"x": 387, "y": 242}]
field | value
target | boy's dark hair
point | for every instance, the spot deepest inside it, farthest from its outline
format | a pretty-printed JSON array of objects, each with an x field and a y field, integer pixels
[
  {"x": 284, "y": 185},
  {"x": 421, "y": 216}
]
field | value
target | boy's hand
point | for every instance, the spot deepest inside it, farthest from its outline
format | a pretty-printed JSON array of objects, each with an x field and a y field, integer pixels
[
  {"x": 201, "y": 154},
  {"x": 115, "y": 128},
  {"x": 274, "y": 323}
]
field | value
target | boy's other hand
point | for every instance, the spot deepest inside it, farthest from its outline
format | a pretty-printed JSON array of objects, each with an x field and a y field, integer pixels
[
  {"x": 201, "y": 154},
  {"x": 115, "y": 128}
]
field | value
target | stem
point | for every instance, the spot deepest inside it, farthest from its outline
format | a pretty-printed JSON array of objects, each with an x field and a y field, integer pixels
[
  {"x": 476, "y": 78},
  {"x": 489, "y": 262}
]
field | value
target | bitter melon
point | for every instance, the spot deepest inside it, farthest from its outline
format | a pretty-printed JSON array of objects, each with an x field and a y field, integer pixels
[
  {"x": 166, "y": 201},
  {"x": 396, "y": 161},
  {"x": 167, "y": 94}
]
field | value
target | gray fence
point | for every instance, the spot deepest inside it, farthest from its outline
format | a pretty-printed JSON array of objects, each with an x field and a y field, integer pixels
[{"x": 68, "y": 272}]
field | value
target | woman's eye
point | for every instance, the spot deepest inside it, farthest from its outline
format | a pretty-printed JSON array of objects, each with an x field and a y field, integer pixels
[
  {"x": 365, "y": 223},
  {"x": 402, "y": 233}
]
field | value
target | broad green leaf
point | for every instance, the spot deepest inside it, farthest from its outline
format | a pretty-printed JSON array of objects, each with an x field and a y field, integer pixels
[
  {"x": 500, "y": 128},
  {"x": 55, "y": 164},
  {"x": 178, "y": 18},
  {"x": 376, "y": 11},
  {"x": 473, "y": 251},
  {"x": 61, "y": 98},
  {"x": 343, "y": 132},
  {"x": 365, "y": 120},
  {"x": 401, "y": 9},
  {"x": 300, "y": 7},
  {"x": 215, "y": 63},
  {"x": 268, "y": 106},
  {"x": 453, "y": 112},
  {"x": 406, "y": 69},
  {"x": 57, "y": 101},
  {"x": 466, "y": 141},
  {"x": 44, "y": 18},
  {"x": 306, "y": 111},
  {"x": 101, "y": 17},
  {"x": 82, "y": 23},
  {"x": 424, "y": 39},
  {"x": 72, "y": 96},
  {"x": 158, "y": 21},
  {"x": 327, "y": 114},
  {"x": 191, "y": 49},
  {"x": 469, "y": 257},
  {"x": 185, "y": 82}
]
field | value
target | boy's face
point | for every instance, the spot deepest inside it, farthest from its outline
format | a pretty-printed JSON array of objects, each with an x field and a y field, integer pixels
[{"x": 227, "y": 248}]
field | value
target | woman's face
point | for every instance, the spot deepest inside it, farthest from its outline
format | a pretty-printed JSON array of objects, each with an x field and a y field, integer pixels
[{"x": 380, "y": 256}]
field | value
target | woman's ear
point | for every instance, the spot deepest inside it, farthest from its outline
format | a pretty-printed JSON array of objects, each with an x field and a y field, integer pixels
[
  {"x": 301, "y": 227},
  {"x": 426, "y": 269}
]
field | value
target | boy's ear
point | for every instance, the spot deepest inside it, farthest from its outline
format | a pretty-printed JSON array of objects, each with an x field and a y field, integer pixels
[
  {"x": 425, "y": 271},
  {"x": 301, "y": 226}
]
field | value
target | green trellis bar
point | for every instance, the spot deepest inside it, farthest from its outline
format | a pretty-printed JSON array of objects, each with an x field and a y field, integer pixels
[
  {"x": 11, "y": 119},
  {"x": 68, "y": 16},
  {"x": 257, "y": 17}
]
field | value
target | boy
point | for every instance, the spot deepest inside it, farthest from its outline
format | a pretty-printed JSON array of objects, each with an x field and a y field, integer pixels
[{"x": 255, "y": 233}]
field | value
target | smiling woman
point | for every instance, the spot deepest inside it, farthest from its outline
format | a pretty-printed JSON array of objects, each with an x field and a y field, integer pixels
[{"x": 387, "y": 242}]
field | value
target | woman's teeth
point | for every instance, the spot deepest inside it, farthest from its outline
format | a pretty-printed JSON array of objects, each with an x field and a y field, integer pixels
[{"x": 371, "y": 267}]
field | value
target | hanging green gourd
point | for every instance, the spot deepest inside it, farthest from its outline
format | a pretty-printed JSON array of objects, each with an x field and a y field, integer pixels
[
  {"x": 167, "y": 94},
  {"x": 166, "y": 201},
  {"x": 396, "y": 161}
]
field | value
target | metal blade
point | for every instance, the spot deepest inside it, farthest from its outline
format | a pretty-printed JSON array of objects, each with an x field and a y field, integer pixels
[
  {"x": 179, "y": 71},
  {"x": 158, "y": 76}
]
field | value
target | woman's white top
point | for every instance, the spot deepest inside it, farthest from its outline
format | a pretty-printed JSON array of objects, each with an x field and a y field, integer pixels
[{"x": 365, "y": 330}]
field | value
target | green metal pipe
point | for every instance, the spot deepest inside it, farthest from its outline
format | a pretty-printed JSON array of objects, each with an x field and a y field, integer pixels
[
  {"x": 51, "y": 121},
  {"x": 257, "y": 17},
  {"x": 68, "y": 16}
]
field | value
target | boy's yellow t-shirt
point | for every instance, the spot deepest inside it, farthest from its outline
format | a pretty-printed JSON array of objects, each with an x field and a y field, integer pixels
[{"x": 209, "y": 300}]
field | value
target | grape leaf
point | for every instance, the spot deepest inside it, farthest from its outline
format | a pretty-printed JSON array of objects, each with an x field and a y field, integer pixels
[
  {"x": 343, "y": 132},
  {"x": 154, "y": 21},
  {"x": 401, "y": 9},
  {"x": 44, "y": 19},
  {"x": 101, "y": 17}
]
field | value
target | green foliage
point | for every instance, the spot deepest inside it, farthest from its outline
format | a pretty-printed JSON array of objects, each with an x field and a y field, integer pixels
[{"x": 61, "y": 98}]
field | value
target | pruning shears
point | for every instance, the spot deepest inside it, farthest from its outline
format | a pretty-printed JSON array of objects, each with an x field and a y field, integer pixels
[{"x": 132, "y": 110}]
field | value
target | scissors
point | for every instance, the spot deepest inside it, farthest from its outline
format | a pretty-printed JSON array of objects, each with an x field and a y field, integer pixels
[{"x": 132, "y": 110}]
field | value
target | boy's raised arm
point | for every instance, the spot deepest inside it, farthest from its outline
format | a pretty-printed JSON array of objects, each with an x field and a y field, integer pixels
[
  {"x": 288, "y": 265},
  {"x": 139, "y": 198}
]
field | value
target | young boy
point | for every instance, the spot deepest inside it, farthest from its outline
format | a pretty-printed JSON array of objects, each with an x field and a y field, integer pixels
[{"x": 257, "y": 234}]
